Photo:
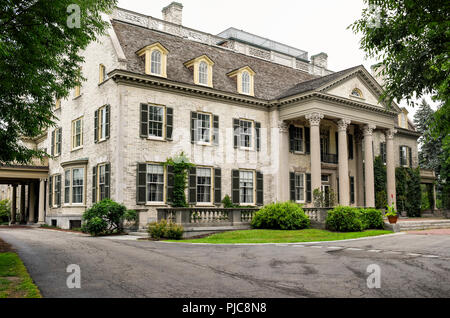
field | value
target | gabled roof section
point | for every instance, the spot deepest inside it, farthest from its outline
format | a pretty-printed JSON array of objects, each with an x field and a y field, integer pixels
[
  {"x": 203, "y": 57},
  {"x": 151, "y": 46},
  {"x": 240, "y": 70}
]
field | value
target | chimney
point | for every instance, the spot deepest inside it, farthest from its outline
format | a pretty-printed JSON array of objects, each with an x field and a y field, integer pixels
[
  {"x": 377, "y": 73},
  {"x": 173, "y": 13},
  {"x": 320, "y": 60}
]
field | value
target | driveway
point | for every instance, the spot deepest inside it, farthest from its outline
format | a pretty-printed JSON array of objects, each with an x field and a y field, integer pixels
[{"x": 411, "y": 266}]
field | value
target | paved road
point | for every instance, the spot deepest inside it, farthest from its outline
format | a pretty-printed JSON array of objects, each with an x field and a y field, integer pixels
[{"x": 411, "y": 266}]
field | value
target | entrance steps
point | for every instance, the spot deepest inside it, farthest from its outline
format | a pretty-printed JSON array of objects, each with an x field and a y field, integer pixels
[{"x": 414, "y": 225}]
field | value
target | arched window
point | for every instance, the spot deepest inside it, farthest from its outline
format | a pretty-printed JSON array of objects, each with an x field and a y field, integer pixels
[
  {"x": 357, "y": 93},
  {"x": 203, "y": 73},
  {"x": 156, "y": 62},
  {"x": 246, "y": 83}
]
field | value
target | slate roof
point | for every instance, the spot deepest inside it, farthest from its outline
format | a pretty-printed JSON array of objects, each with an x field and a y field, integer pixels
[{"x": 271, "y": 80}]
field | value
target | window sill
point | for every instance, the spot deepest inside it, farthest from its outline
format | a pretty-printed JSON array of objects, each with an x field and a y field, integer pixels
[
  {"x": 160, "y": 139},
  {"x": 205, "y": 205},
  {"x": 101, "y": 141},
  {"x": 77, "y": 97},
  {"x": 299, "y": 153},
  {"x": 157, "y": 204},
  {"x": 76, "y": 149},
  {"x": 71, "y": 206}
]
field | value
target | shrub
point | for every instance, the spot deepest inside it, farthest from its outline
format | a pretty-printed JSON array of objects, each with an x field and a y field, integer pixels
[
  {"x": 372, "y": 219},
  {"x": 344, "y": 219},
  {"x": 228, "y": 203},
  {"x": 164, "y": 229},
  {"x": 106, "y": 217},
  {"x": 281, "y": 216},
  {"x": 5, "y": 211}
]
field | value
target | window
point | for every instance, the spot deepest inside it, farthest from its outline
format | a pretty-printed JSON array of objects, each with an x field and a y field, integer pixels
[
  {"x": 246, "y": 187},
  {"x": 102, "y": 73},
  {"x": 203, "y": 73},
  {"x": 155, "y": 183},
  {"x": 204, "y": 181},
  {"x": 245, "y": 82},
  {"x": 67, "y": 186},
  {"x": 403, "y": 156},
  {"x": 77, "y": 185},
  {"x": 203, "y": 128},
  {"x": 58, "y": 103},
  {"x": 299, "y": 187},
  {"x": 56, "y": 191},
  {"x": 357, "y": 93},
  {"x": 77, "y": 133},
  {"x": 156, "y": 62},
  {"x": 156, "y": 121},
  {"x": 102, "y": 123},
  {"x": 56, "y": 142},
  {"x": 404, "y": 122},
  {"x": 101, "y": 182},
  {"x": 325, "y": 178},
  {"x": 297, "y": 139},
  {"x": 246, "y": 133},
  {"x": 383, "y": 152}
]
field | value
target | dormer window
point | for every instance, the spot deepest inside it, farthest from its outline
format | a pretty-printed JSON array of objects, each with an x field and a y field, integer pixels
[
  {"x": 245, "y": 80},
  {"x": 403, "y": 119},
  {"x": 202, "y": 68},
  {"x": 357, "y": 93},
  {"x": 155, "y": 56}
]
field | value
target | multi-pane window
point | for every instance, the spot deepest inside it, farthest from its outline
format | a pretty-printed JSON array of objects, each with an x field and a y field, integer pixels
[
  {"x": 56, "y": 139},
  {"x": 101, "y": 182},
  {"x": 300, "y": 187},
  {"x": 383, "y": 151},
  {"x": 77, "y": 133},
  {"x": 155, "y": 121},
  {"x": 102, "y": 123},
  {"x": 203, "y": 73},
  {"x": 156, "y": 62},
  {"x": 298, "y": 139},
  {"x": 102, "y": 73},
  {"x": 204, "y": 127},
  {"x": 246, "y": 187},
  {"x": 246, "y": 83},
  {"x": 77, "y": 185},
  {"x": 155, "y": 183},
  {"x": 56, "y": 190},
  {"x": 246, "y": 133},
  {"x": 403, "y": 156},
  {"x": 204, "y": 180},
  {"x": 67, "y": 187}
]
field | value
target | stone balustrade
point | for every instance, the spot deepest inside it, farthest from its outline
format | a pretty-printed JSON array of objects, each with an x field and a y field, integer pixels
[{"x": 317, "y": 215}]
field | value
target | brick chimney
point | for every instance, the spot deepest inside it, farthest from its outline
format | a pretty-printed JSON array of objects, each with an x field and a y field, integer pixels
[
  {"x": 173, "y": 13},
  {"x": 320, "y": 60}
]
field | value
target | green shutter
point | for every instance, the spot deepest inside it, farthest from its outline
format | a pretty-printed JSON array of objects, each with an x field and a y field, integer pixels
[
  {"x": 216, "y": 130},
  {"x": 259, "y": 188},
  {"x": 170, "y": 184},
  {"x": 258, "y": 136},
  {"x": 60, "y": 140},
  {"x": 308, "y": 188},
  {"x": 96, "y": 126},
  {"x": 94, "y": 184},
  {"x": 308, "y": 140},
  {"x": 141, "y": 184},
  {"x": 193, "y": 127},
  {"x": 50, "y": 191},
  {"x": 108, "y": 121},
  {"x": 53, "y": 143},
  {"x": 108, "y": 181},
  {"x": 169, "y": 123},
  {"x": 352, "y": 190},
  {"x": 236, "y": 132},
  {"x": 193, "y": 186},
  {"x": 410, "y": 156},
  {"x": 291, "y": 138},
  {"x": 58, "y": 188},
  {"x": 235, "y": 186},
  {"x": 336, "y": 136},
  {"x": 144, "y": 121},
  {"x": 292, "y": 186},
  {"x": 217, "y": 186}
]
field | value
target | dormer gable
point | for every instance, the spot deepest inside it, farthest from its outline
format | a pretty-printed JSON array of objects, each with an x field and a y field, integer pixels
[
  {"x": 202, "y": 67},
  {"x": 155, "y": 57},
  {"x": 245, "y": 79}
]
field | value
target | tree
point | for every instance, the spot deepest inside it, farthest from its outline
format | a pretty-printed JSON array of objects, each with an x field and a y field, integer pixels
[{"x": 40, "y": 46}]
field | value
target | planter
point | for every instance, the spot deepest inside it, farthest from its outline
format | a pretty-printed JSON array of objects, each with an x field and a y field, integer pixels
[{"x": 393, "y": 219}]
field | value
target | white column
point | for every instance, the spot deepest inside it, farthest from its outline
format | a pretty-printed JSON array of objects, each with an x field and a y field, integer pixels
[
  {"x": 344, "y": 186},
  {"x": 316, "y": 161},
  {"x": 41, "y": 219},
  {"x": 390, "y": 167},
  {"x": 368, "y": 163},
  {"x": 31, "y": 188},
  {"x": 283, "y": 168}
]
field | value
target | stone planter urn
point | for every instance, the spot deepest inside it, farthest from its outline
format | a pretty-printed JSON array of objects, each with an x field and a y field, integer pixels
[{"x": 393, "y": 219}]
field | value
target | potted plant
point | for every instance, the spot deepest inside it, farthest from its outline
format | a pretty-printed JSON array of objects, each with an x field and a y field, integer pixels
[{"x": 392, "y": 215}]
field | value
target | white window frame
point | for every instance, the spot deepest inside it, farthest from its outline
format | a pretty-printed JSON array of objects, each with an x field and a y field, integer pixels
[
  {"x": 252, "y": 136},
  {"x": 303, "y": 140},
  {"x": 74, "y": 134},
  {"x": 101, "y": 124},
  {"x": 55, "y": 143},
  {"x": 155, "y": 63},
  {"x": 71, "y": 186},
  {"x": 405, "y": 151},
  {"x": 163, "y": 202},
  {"x": 300, "y": 187},
  {"x": 253, "y": 172},
  {"x": 198, "y": 129},
  {"x": 102, "y": 73},
  {"x": 98, "y": 194},
  {"x": 204, "y": 73},
  {"x": 211, "y": 186},
  {"x": 246, "y": 84},
  {"x": 53, "y": 204},
  {"x": 163, "y": 132}
]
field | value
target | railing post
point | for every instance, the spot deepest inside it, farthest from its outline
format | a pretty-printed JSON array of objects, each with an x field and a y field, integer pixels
[
  {"x": 237, "y": 217},
  {"x": 183, "y": 217}
]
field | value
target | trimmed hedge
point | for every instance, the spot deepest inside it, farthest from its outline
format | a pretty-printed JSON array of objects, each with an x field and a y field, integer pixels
[
  {"x": 348, "y": 219},
  {"x": 281, "y": 216},
  {"x": 164, "y": 229},
  {"x": 372, "y": 219}
]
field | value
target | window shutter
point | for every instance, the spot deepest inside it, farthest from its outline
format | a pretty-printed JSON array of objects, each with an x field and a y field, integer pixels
[
  {"x": 291, "y": 138},
  {"x": 352, "y": 190},
  {"x": 308, "y": 140},
  {"x": 144, "y": 120},
  {"x": 350, "y": 147},
  {"x": 217, "y": 186},
  {"x": 410, "y": 156},
  {"x": 108, "y": 181},
  {"x": 53, "y": 143},
  {"x": 96, "y": 126},
  {"x": 236, "y": 132},
  {"x": 292, "y": 186},
  {"x": 170, "y": 184},
  {"x": 336, "y": 136},
  {"x": 258, "y": 136},
  {"x": 50, "y": 191},
  {"x": 401, "y": 156},
  {"x": 94, "y": 184},
  {"x": 193, "y": 186},
  {"x": 235, "y": 186},
  {"x": 193, "y": 130},
  {"x": 60, "y": 140},
  {"x": 308, "y": 188},
  {"x": 141, "y": 183},
  {"x": 58, "y": 187},
  {"x": 108, "y": 121},
  {"x": 216, "y": 130},
  {"x": 169, "y": 123},
  {"x": 259, "y": 188}
]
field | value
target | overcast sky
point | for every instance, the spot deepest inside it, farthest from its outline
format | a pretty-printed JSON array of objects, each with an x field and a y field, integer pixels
[{"x": 314, "y": 26}]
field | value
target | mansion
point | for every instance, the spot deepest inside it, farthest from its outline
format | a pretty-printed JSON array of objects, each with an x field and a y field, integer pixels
[{"x": 261, "y": 121}]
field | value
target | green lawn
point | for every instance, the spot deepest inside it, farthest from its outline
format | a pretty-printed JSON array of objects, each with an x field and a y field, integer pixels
[
  {"x": 15, "y": 282},
  {"x": 272, "y": 236}
]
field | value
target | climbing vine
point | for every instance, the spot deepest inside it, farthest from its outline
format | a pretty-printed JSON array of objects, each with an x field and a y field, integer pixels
[
  {"x": 180, "y": 166},
  {"x": 380, "y": 183},
  {"x": 409, "y": 194}
]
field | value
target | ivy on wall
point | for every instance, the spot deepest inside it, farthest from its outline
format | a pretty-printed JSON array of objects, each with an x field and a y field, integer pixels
[
  {"x": 180, "y": 165},
  {"x": 380, "y": 183},
  {"x": 409, "y": 194}
]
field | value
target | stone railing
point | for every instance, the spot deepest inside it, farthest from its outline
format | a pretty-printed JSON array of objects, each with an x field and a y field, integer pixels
[
  {"x": 207, "y": 217},
  {"x": 317, "y": 215}
]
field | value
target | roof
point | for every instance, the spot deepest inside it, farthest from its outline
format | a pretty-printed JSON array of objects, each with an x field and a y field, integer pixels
[{"x": 271, "y": 79}]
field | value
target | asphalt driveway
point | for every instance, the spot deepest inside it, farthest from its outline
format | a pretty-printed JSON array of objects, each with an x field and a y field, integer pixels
[{"x": 411, "y": 266}]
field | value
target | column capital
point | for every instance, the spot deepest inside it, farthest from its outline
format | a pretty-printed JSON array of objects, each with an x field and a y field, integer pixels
[
  {"x": 283, "y": 127},
  {"x": 390, "y": 133},
  {"x": 368, "y": 130},
  {"x": 343, "y": 124},
  {"x": 314, "y": 118}
]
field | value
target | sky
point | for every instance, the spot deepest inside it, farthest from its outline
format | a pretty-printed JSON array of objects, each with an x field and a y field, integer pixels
[{"x": 313, "y": 26}]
